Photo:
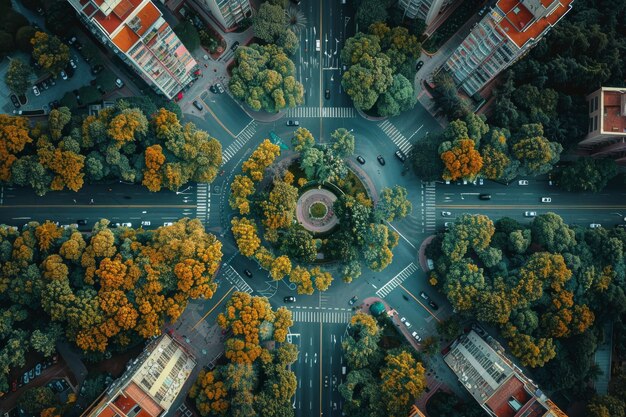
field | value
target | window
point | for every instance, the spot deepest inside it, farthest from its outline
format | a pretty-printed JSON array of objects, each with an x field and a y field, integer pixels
[
  {"x": 595, "y": 123},
  {"x": 595, "y": 103},
  {"x": 591, "y": 124}
]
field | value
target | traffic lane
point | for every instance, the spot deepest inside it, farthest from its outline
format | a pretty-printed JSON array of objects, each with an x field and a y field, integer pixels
[
  {"x": 308, "y": 391},
  {"x": 332, "y": 363},
  {"x": 222, "y": 116}
]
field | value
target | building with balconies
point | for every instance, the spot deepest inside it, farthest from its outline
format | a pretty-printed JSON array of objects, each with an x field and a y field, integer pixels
[
  {"x": 137, "y": 32},
  {"x": 427, "y": 10},
  {"x": 506, "y": 32},
  {"x": 228, "y": 13}
]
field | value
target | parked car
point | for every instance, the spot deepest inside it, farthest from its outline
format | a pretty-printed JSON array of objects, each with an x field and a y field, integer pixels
[
  {"x": 44, "y": 84},
  {"x": 119, "y": 83},
  {"x": 416, "y": 336},
  {"x": 127, "y": 225},
  {"x": 353, "y": 300},
  {"x": 546, "y": 200},
  {"x": 433, "y": 305},
  {"x": 63, "y": 75},
  {"x": 406, "y": 322},
  {"x": 36, "y": 90},
  {"x": 220, "y": 88},
  {"x": 523, "y": 182},
  {"x": 71, "y": 39},
  {"x": 38, "y": 369},
  {"x": 25, "y": 378},
  {"x": 419, "y": 65},
  {"x": 446, "y": 214},
  {"x": 73, "y": 64},
  {"x": 248, "y": 273},
  {"x": 198, "y": 105},
  {"x": 31, "y": 374},
  {"x": 167, "y": 223},
  {"x": 400, "y": 155},
  {"x": 530, "y": 213},
  {"x": 145, "y": 222},
  {"x": 81, "y": 222},
  {"x": 289, "y": 299},
  {"x": 15, "y": 101},
  {"x": 380, "y": 160},
  {"x": 360, "y": 160},
  {"x": 213, "y": 89},
  {"x": 97, "y": 69},
  {"x": 293, "y": 123},
  {"x": 327, "y": 94},
  {"x": 595, "y": 225}
]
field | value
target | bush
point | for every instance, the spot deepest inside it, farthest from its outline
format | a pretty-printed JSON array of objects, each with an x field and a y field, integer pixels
[
  {"x": 89, "y": 94},
  {"x": 208, "y": 40},
  {"x": 318, "y": 210},
  {"x": 188, "y": 35}
]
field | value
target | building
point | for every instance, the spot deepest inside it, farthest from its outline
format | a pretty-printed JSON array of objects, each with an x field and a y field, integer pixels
[
  {"x": 607, "y": 125},
  {"x": 137, "y": 32},
  {"x": 427, "y": 10},
  {"x": 150, "y": 384},
  {"x": 498, "y": 385},
  {"x": 506, "y": 32},
  {"x": 228, "y": 13}
]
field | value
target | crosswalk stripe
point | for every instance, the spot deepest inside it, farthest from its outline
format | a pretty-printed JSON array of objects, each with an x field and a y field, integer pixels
[
  {"x": 327, "y": 112},
  {"x": 397, "y": 280},
  {"x": 430, "y": 210},
  {"x": 246, "y": 134},
  {"x": 318, "y": 316},
  {"x": 396, "y": 136},
  {"x": 235, "y": 279}
]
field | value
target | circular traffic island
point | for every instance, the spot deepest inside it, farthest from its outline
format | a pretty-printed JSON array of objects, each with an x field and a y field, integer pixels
[{"x": 315, "y": 210}]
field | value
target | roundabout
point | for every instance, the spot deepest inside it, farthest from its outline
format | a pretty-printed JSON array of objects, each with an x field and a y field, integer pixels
[{"x": 315, "y": 210}]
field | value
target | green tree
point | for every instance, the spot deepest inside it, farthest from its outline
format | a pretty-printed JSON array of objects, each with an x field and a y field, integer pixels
[
  {"x": 398, "y": 98},
  {"x": 34, "y": 400},
  {"x": 269, "y": 22},
  {"x": 344, "y": 142},
  {"x": 52, "y": 54},
  {"x": 371, "y": 11},
  {"x": 23, "y": 37},
  {"x": 588, "y": 174},
  {"x": 299, "y": 244},
  {"x": 424, "y": 158},
  {"x": 17, "y": 76},
  {"x": 536, "y": 153},
  {"x": 366, "y": 79},
  {"x": 552, "y": 233},
  {"x": 188, "y": 35},
  {"x": 402, "y": 380},
  {"x": 393, "y": 204},
  {"x": 288, "y": 41}
]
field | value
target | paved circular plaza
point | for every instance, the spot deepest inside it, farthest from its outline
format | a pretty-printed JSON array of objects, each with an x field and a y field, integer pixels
[{"x": 312, "y": 197}]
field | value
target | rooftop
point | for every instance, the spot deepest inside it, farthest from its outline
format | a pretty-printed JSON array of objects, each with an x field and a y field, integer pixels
[{"x": 614, "y": 117}]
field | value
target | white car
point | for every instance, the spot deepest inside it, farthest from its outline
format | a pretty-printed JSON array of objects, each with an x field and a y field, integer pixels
[
  {"x": 416, "y": 336},
  {"x": 63, "y": 75},
  {"x": 73, "y": 64},
  {"x": 119, "y": 83},
  {"x": 36, "y": 90},
  {"x": 448, "y": 224},
  {"x": 406, "y": 322},
  {"x": 168, "y": 223},
  {"x": 481, "y": 181},
  {"x": 145, "y": 223},
  {"x": 595, "y": 225},
  {"x": 546, "y": 200},
  {"x": 523, "y": 182},
  {"x": 127, "y": 225},
  {"x": 530, "y": 213}
]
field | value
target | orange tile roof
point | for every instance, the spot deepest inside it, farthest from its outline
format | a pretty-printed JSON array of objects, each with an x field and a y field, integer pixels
[
  {"x": 89, "y": 10},
  {"x": 107, "y": 412},
  {"x": 122, "y": 8},
  {"x": 125, "y": 39},
  {"x": 516, "y": 25},
  {"x": 148, "y": 15},
  {"x": 499, "y": 400},
  {"x": 613, "y": 121},
  {"x": 109, "y": 23}
]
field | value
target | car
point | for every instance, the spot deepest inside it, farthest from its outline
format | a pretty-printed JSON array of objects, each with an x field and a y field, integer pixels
[
  {"x": 380, "y": 160},
  {"x": 446, "y": 214},
  {"x": 400, "y": 155},
  {"x": 360, "y": 160},
  {"x": 213, "y": 89},
  {"x": 416, "y": 336},
  {"x": 620, "y": 226},
  {"x": 115, "y": 225},
  {"x": 419, "y": 65},
  {"x": 145, "y": 222},
  {"x": 219, "y": 87},
  {"x": 54, "y": 104},
  {"x": 327, "y": 94},
  {"x": 81, "y": 222},
  {"x": 97, "y": 69},
  {"x": 523, "y": 182},
  {"x": 63, "y": 75},
  {"x": 71, "y": 39},
  {"x": 433, "y": 305},
  {"x": 15, "y": 101},
  {"x": 52, "y": 82},
  {"x": 14, "y": 385},
  {"x": 44, "y": 84},
  {"x": 248, "y": 273},
  {"x": 234, "y": 46},
  {"x": 289, "y": 299},
  {"x": 167, "y": 223},
  {"x": 546, "y": 200},
  {"x": 353, "y": 300},
  {"x": 38, "y": 369},
  {"x": 73, "y": 64},
  {"x": 481, "y": 181},
  {"x": 448, "y": 224},
  {"x": 406, "y": 322},
  {"x": 127, "y": 225},
  {"x": 25, "y": 378},
  {"x": 78, "y": 45},
  {"x": 36, "y": 90},
  {"x": 198, "y": 105},
  {"x": 344, "y": 68},
  {"x": 31, "y": 374},
  {"x": 424, "y": 296},
  {"x": 318, "y": 45},
  {"x": 485, "y": 196},
  {"x": 293, "y": 123},
  {"x": 530, "y": 213},
  {"x": 119, "y": 83},
  {"x": 595, "y": 225}
]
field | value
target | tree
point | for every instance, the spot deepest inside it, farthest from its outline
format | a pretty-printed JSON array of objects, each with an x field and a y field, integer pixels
[
  {"x": 446, "y": 98},
  {"x": 588, "y": 174},
  {"x": 321, "y": 278},
  {"x": 461, "y": 161},
  {"x": 298, "y": 243},
  {"x": 302, "y": 140},
  {"x": 370, "y": 11},
  {"x": 281, "y": 266},
  {"x": 260, "y": 160},
  {"x": 536, "y": 154},
  {"x": 57, "y": 120},
  {"x": 344, "y": 142},
  {"x": 269, "y": 22},
  {"x": 368, "y": 78},
  {"x": 393, "y": 204},
  {"x": 398, "y": 98},
  {"x": 402, "y": 380},
  {"x": 288, "y": 41},
  {"x": 188, "y": 35},
  {"x": 245, "y": 233},
  {"x": 279, "y": 208},
  {"x": 37, "y": 399},
  {"x": 302, "y": 278},
  {"x": 14, "y": 136},
  {"x": 50, "y": 52},
  {"x": 424, "y": 158},
  {"x": 549, "y": 231},
  {"x": 17, "y": 76},
  {"x": 469, "y": 232},
  {"x": 241, "y": 188}
]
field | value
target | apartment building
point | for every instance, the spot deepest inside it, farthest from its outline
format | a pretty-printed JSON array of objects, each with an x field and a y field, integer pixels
[
  {"x": 427, "y": 10},
  {"x": 506, "y": 32},
  {"x": 228, "y": 13},
  {"x": 150, "y": 385},
  {"x": 137, "y": 32},
  {"x": 606, "y": 137},
  {"x": 499, "y": 386}
]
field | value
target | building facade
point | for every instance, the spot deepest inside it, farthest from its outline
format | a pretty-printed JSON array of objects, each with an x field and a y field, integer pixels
[
  {"x": 137, "y": 32},
  {"x": 427, "y": 10},
  {"x": 506, "y": 32},
  {"x": 228, "y": 13},
  {"x": 606, "y": 137},
  {"x": 499, "y": 386},
  {"x": 150, "y": 385}
]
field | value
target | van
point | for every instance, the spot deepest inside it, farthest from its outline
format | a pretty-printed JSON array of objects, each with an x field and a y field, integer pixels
[
  {"x": 318, "y": 45},
  {"x": 343, "y": 370},
  {"x": 485, "y": 196}
]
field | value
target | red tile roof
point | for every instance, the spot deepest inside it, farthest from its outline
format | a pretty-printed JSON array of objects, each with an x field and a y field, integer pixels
[
  {"x": 125, "y": 39},
  {"x": 110, "y": 23},
  {"x": 148, "y": 15},
  {"x": 613, "y": 121},
  {"x": 516, "y": 23},
  {"x": 499, "y": 400},
  {"x": 151, "y": 407}
]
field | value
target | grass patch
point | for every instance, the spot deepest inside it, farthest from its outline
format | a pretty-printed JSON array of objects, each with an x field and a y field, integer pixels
[
  {"x": 318, "y": 210},
  {"x": 450, "y": 26}
]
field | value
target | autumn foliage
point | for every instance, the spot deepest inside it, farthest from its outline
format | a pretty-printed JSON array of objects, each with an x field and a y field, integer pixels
[{"x": 462, "y": 161}]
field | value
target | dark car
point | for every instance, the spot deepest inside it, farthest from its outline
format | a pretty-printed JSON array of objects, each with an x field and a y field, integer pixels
[
  {"x": 14, "y": 385},
  {"x": 235, "y": 45},
  {"x": 198, "y": 105},
  {"x": 433, "y": 305},
  {"x": 380, "y": 159},
  {"x": 81, "y": 222},
  {"x": 44, "y": 85},
  {"x": 327, "y": 94},
  {"x": 419, "y": 65},
  {"x": 290, "y": 299},
  {"x": 360, "y": 160},
  {"x": 400, "y": 155},
  {"x": 213, "y": 89},
  {"x": 15, "y": 101},
  {"x": 248, "y": 273},
  {"x": 97, "y": 69},
  {"x": 54, "y": 104},
  {"x": 485, "y": 196},
  {"x": 293, "y": 123},
  {"x": 353, "y": 300}
]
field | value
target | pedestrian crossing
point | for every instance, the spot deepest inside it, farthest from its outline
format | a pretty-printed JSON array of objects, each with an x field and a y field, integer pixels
[
  {"x": 320, "y": 316},
  {"x": 244, "y": 136},
  {"x": 203, "y": 201},
  {"x": 396, "y": 137},
  {"x": 397, "y": 280},
  {"x": 235, "y": 279},
  {"x": 429, "y": 212},
  {"x": 326, "y": 112}
]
